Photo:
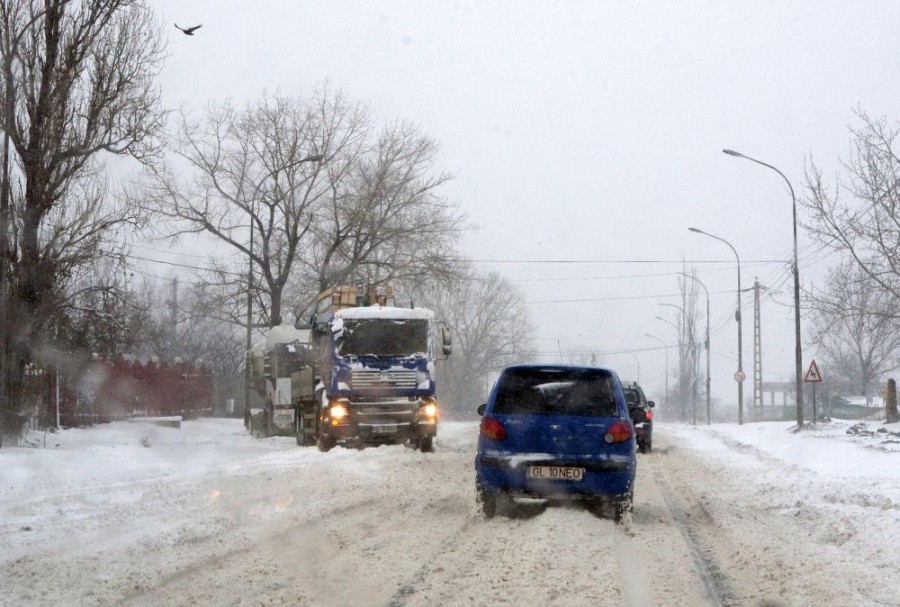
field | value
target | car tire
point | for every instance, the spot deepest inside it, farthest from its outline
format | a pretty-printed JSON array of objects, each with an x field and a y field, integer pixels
[
  {"x": 426, "y": 444},
  {"x": 642, "y": 447},
  {"x": 622, "y": 507},
  {"x": 487, "y": 500},
  {"x": 648, "y": 447}
]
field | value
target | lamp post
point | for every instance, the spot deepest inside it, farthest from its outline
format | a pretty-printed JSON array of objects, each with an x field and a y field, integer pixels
[
  {"x": 705, "y": 290},
  {"x": 798, "y": 352},
  {"x": 248, "y": 375},
  {"x": 739, "y": 376},
  {"x": 666, "y": 350}
]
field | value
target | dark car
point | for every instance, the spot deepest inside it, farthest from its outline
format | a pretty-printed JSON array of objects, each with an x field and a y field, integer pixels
[
  {"x": 556, "y": 431},
  {"x": 634, "y": 395}
]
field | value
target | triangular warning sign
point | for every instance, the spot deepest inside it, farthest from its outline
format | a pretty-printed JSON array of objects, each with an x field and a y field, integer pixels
[{"x": 813, "y": 376}]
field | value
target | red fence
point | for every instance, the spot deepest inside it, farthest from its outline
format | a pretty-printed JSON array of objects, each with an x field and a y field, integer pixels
[{"x": 111, "y": 390}]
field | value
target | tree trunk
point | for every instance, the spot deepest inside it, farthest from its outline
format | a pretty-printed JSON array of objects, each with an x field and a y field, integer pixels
[{"x": 890, "y": 402}]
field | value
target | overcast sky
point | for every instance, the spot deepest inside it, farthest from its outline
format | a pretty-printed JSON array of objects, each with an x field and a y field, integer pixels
[{"x": 590, "y": 133}]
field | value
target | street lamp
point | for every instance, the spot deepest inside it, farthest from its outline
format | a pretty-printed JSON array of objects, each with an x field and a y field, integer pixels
[
  {"x": 739, "y": 376},
  {"x": 798, "y": 352},
  {"x": 666, "y": 350},
  {"x": 249, "y": 336},
  {"x": 700, "y": 282}
]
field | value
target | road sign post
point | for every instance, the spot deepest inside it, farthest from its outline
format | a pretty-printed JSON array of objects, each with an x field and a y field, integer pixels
[{"x": 813, "y": 377}]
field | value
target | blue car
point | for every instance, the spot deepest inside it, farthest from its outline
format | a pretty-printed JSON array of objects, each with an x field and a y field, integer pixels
[{"x": 556, "y": 431}]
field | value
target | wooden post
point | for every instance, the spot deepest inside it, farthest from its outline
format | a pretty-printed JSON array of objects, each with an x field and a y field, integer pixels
[{"x": 890, "y": 402}]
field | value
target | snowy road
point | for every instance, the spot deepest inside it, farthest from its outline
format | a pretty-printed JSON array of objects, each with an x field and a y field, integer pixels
[{"x": 209, "y": 516}]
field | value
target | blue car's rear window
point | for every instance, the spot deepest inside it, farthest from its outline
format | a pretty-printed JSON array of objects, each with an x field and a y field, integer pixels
[{"x": 540, "y": 391}]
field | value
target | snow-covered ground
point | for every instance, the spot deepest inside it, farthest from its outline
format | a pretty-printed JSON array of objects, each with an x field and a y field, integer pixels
[{"x": 133, "y": 513}]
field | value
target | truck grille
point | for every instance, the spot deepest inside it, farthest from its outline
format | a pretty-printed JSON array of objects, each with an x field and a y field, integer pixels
[
  {"x": 383, "y": 380},
  {"x": 375, "y": 413}
]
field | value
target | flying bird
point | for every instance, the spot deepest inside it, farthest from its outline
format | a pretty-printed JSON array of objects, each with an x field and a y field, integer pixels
[{"x": 190, "y": 30}]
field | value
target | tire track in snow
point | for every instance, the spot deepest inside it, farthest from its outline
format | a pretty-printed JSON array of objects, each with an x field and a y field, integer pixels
[
  {"x": 410, "y": 588},
  {"x": 221, "y": 560},
  {"x": 631, "y": 572},
  {"x": 715, "y": 582}
]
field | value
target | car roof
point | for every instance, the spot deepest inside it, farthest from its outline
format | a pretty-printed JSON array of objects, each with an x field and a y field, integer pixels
[{"x": 560, "y": 367}]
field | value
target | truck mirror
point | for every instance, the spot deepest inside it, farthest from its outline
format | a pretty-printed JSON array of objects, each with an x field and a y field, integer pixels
[
  {"x": 446, "y": 341},
  {"x": 337, "y": 329}
]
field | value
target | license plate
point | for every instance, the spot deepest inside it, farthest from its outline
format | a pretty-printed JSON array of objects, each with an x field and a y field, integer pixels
[
  {"x": 384, "y": 429},
  {"x": 556, "y": 473}
]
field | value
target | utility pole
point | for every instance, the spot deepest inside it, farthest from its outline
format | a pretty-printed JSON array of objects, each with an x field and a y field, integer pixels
[
  {"x": 757, "y": 354},
  {"x": 173, "y": 314}
]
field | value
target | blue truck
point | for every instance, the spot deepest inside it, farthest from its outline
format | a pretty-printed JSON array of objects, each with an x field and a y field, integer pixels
[{"x": 361, "y": 373}]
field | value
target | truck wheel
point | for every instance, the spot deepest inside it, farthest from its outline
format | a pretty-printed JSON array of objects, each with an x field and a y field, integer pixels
[
  {"x": 426, "y": 444},
  {"x": 305, "y": 422},
  {"x": 325, "y": 443},
  {"x": 304, "y": 439}
]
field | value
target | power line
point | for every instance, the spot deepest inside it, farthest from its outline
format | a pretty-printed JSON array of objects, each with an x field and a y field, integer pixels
[
  {"x": 622, "y": 298},
  {"x": 183, "y": 265},
  {"x": 631, "y": 261}
]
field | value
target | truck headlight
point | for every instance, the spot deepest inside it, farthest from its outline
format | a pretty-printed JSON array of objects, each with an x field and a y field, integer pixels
[
  {"x": 338, "y": 413},
  {"x": 428, "y": 413}
]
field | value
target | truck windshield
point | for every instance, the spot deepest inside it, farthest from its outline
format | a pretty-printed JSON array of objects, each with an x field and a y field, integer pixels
[{"x": 384, "y": 337}]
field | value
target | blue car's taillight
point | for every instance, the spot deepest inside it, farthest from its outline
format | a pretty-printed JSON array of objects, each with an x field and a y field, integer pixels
[
  {"x": 492, "y": 429},
  {"x": 619, "y": 432}
]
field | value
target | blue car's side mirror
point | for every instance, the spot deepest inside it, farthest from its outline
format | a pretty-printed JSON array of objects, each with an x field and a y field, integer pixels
[{"x": 481, "y": 408}]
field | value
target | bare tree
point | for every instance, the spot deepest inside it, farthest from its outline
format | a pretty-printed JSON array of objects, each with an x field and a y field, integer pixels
[
  {"x": 490, "y": 326},
  {"x": 77, "y": 83},
  {"x": 860, "y": 214},
  {"x": 186, "y": 330},
  {"x": 323, "y": 201},
  {"x": 105, "y": 314},
  {"x": 385, "y": 222},
  {"x": 252, "y": 185},
  {"x": 856, "y": 328},
  {"x": 686, "y": 389}
]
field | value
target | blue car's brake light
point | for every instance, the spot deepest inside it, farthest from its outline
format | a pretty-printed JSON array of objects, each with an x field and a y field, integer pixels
[
  {"x": 492, "y": 429},
  {"x": 619, "y": 432}
]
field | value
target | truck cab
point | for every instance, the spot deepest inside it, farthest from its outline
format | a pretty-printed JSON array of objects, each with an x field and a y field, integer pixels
[{"x": 377, "y": 372}]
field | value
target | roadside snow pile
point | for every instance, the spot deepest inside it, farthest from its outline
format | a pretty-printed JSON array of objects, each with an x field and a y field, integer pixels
[{"x": 839, "y": 479}]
